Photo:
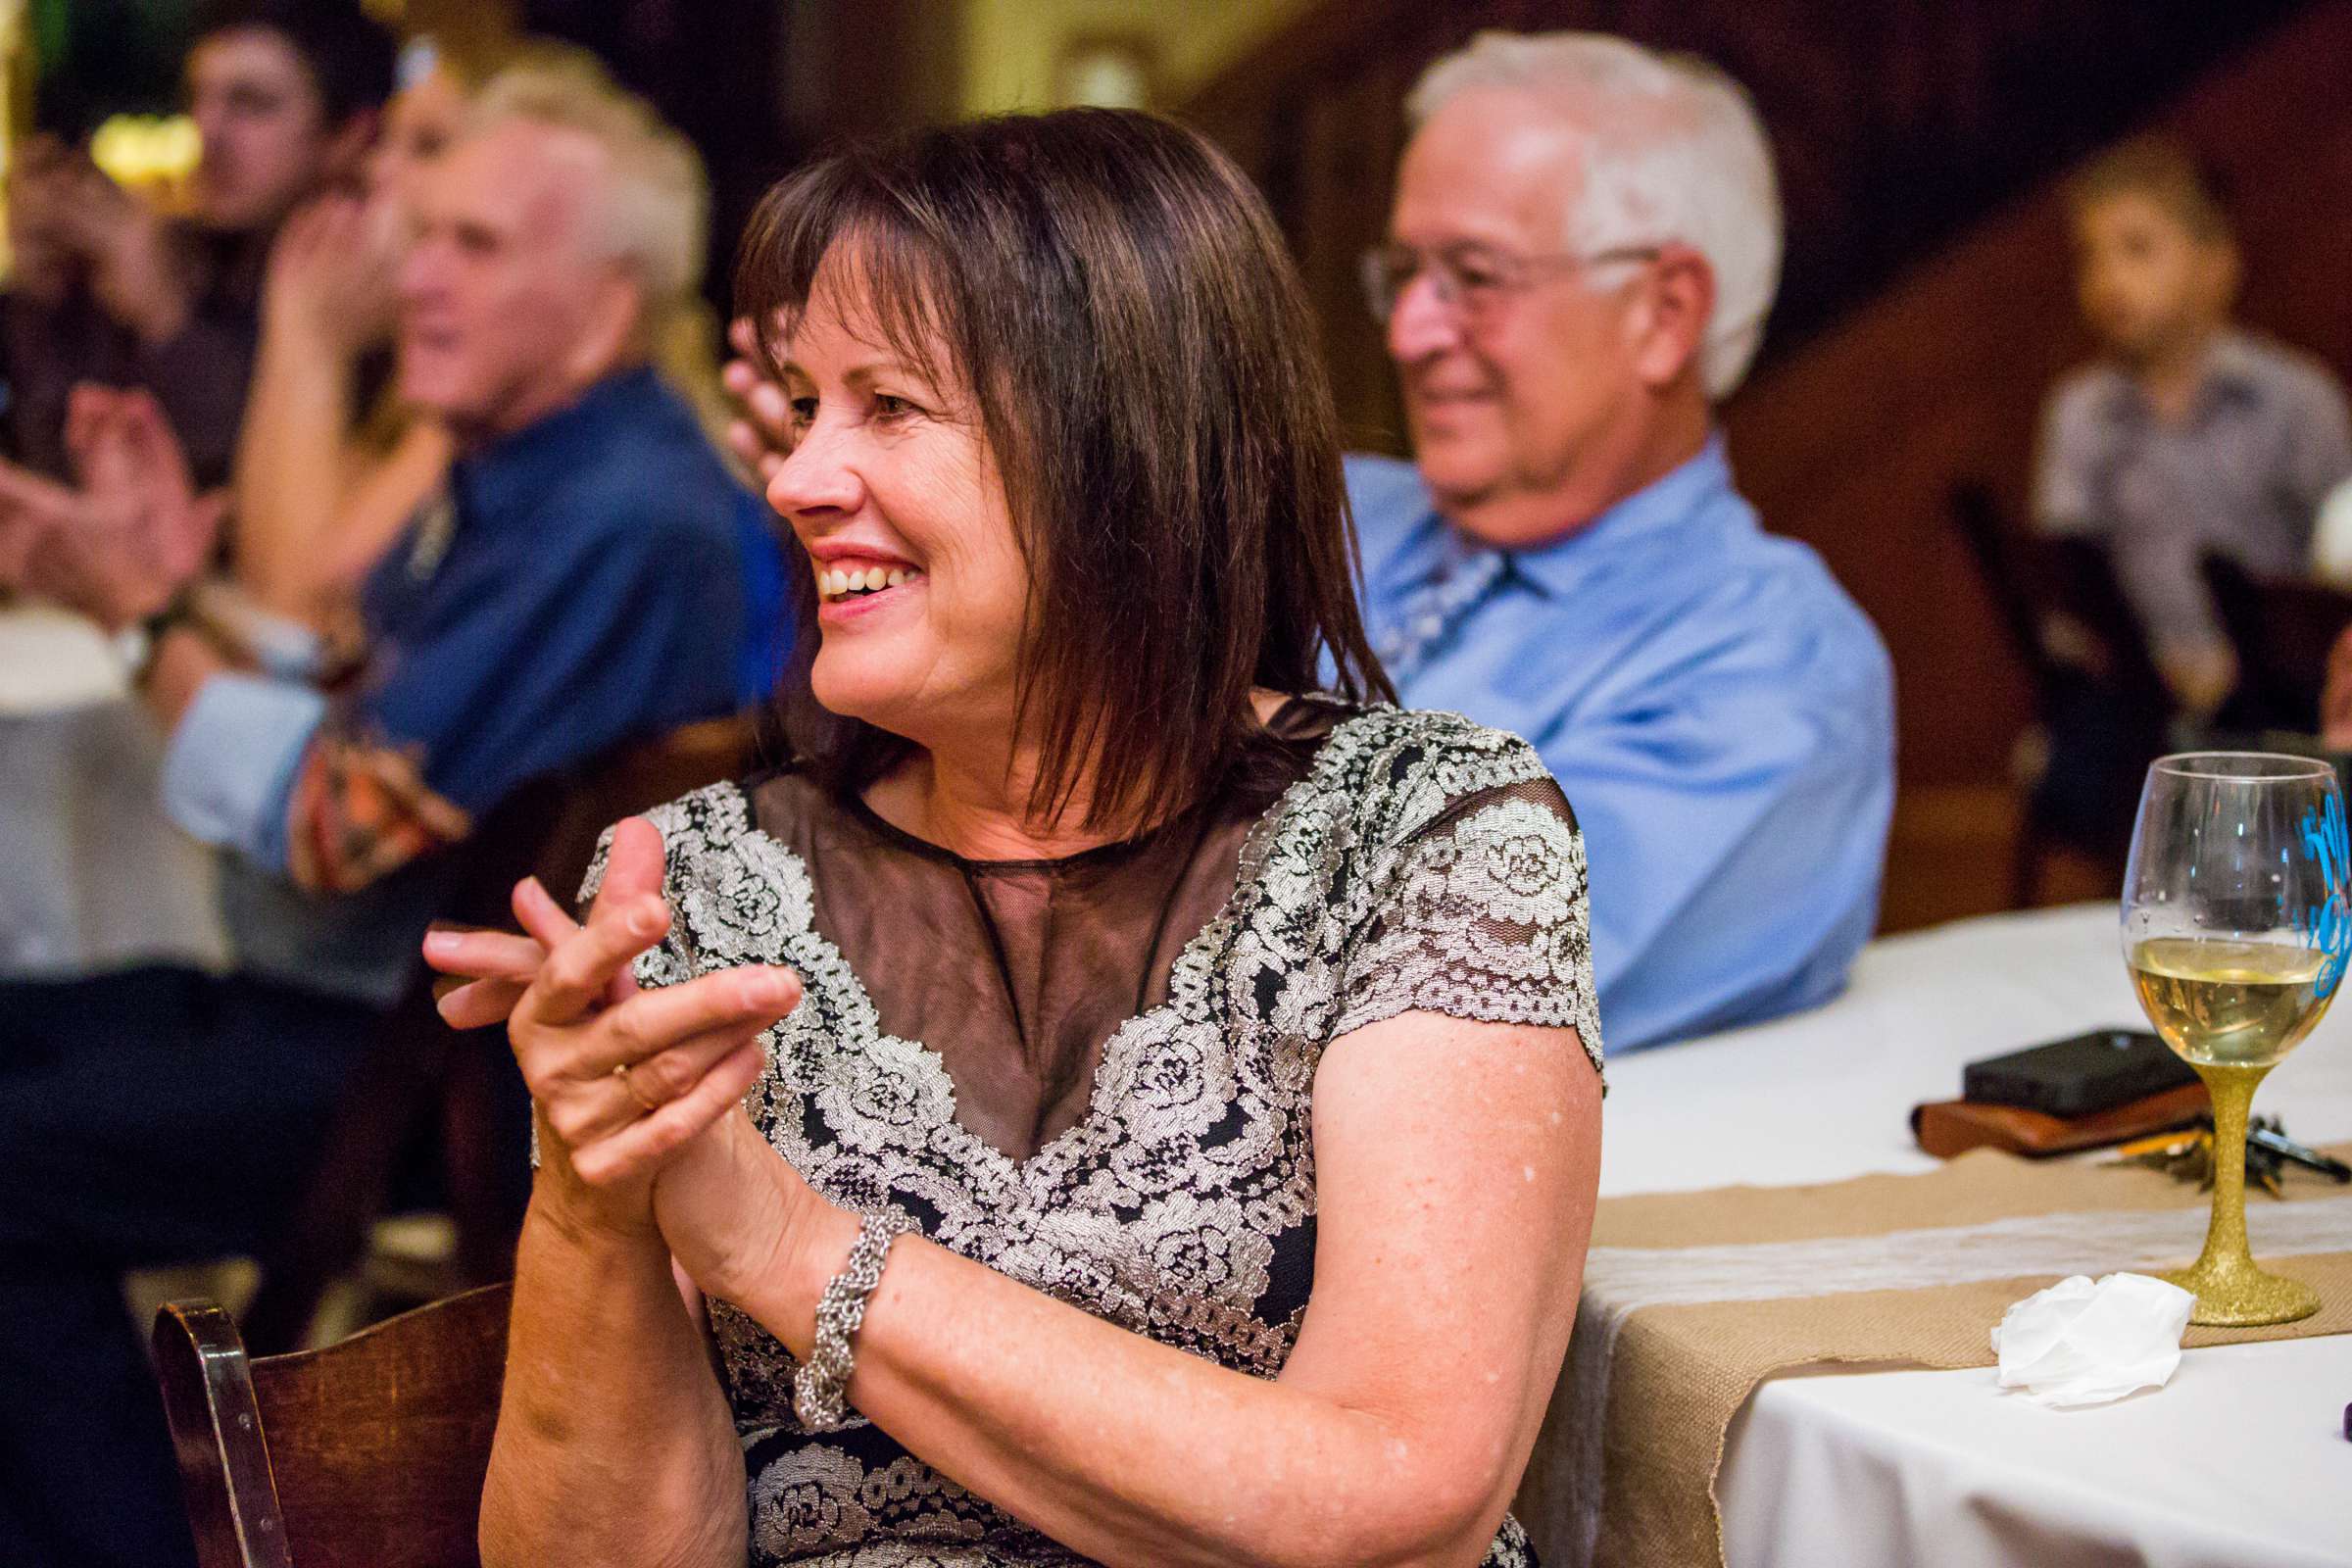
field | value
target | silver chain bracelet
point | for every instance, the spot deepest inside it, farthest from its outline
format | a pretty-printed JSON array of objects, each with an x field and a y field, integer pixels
[{"x": 820, "y": 1389}]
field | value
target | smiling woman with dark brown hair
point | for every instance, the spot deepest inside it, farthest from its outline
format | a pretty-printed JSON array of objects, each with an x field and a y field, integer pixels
[{"x": 1123, "y": 1092}]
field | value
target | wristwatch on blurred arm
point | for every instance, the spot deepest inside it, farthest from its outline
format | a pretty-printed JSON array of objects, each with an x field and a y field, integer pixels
[{"x": 138, "y": 644}]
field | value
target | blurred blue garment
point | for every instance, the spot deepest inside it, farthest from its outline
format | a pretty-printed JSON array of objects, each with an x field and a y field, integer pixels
[
  {"x": 1720, "y": 715},
  {"x": 583, "y": 585},
  {"x": 766, "y": 602},
  {"x": 578, "y": 587}
]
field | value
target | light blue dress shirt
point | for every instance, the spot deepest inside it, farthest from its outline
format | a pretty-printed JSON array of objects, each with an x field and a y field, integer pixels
[
  {"x": 232, "y": 759},
  {"x": 1720, "y": 715}
]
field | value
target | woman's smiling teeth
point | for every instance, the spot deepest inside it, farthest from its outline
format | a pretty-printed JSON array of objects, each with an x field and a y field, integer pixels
[{"x": 834, "y": 584}]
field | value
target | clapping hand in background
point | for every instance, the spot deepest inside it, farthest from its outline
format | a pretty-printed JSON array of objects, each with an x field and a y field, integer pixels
[
  {"x": 68, "y": 223},
  {"x": 128, "y": 534},
  {"x": 333, "y": 273},
  {"x": 763, "y": 436}
]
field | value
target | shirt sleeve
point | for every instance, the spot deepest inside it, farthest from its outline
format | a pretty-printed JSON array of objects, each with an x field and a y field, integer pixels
[
  {"x": 637, "y": 629},
  {"x": 2063, "y": 461},
  {"x": 2162, "y": 575},
  {"x": 2319, "y": 444},
  {"x": 284, "y": 649},
  {"x": 1484, "y": 917},
  {"x": 1736, "y": 816},
  {"x": 233, "y": 759}
]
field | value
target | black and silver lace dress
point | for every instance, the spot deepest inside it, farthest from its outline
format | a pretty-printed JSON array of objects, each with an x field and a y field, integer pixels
[{"x": 1095, "y": 1074}]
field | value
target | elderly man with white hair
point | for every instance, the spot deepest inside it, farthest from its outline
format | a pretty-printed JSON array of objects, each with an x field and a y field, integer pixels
[{"x": 1584, "y": 247}]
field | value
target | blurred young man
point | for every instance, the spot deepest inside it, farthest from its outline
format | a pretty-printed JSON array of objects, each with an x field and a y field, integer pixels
[
  {"x": 1584, "y": 247},
  {"x": 579, "y": 585},
  {"x": 285, "y": 94},
  {"x": 2186, "y": 437}
]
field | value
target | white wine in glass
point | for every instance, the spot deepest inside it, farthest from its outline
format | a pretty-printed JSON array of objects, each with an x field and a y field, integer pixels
[
  {"x": 2230, "y": 1003},
  {"x": 2236, "y": 929}
]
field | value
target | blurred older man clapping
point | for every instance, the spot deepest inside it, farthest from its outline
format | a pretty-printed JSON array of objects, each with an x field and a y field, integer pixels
[{"x": 1584, "y": 247}]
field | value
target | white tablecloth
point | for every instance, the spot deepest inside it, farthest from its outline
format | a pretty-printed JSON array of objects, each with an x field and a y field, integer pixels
[
  {"x": 51, "y": 662},
  {"x": 92, "y": 874},
  {"x": 2240, "y": 1461}
]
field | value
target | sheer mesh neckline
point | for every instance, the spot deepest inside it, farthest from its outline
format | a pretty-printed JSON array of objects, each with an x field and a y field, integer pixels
[
  {"x": 1297, "y": 718},
  {"x": 1017, "y": 975},
  {"x": 1075, "y": 861}
]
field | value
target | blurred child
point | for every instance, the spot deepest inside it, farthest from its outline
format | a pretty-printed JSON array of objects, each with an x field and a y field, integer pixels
[{"x": 2188, "y": 436}]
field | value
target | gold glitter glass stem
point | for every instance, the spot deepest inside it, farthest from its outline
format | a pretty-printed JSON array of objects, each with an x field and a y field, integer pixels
[{"x": 2230, "y": 1290}]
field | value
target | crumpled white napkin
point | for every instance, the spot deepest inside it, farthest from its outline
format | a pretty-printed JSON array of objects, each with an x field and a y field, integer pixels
[{"x": 2083, "y": 1344}]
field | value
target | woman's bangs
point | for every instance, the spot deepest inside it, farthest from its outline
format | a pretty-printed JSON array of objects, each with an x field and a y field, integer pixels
[{"x": 895, "y": 273}]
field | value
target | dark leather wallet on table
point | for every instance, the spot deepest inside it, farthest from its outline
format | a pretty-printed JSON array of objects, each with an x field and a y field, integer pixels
[{"x": 1948, "y": 1127}]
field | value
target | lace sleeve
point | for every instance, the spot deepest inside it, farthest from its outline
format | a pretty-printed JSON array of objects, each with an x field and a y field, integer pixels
[
  {"x": 1482, "y": 916},
  {"x": 669, "y": 962}
]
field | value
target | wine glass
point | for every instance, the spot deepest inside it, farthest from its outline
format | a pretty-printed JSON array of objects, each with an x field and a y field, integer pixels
[{"x": 2235, "y": 928}]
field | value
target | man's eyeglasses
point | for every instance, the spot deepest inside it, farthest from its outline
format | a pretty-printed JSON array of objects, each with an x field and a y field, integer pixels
[{"x": 1473, "y": 278}]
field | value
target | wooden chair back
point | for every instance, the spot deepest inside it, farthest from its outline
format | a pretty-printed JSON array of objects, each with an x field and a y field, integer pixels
[
  {"x": 634, "y": 780},
  {"x": 368, "y": 1454},
  {"x": 2083, "y": 587},
  {"x": 2100, "y": 702},
  {"x": 2012, "y": 578},
  {"x": 2282, "y": 629},
  {"x": 2064, "y": 613}
]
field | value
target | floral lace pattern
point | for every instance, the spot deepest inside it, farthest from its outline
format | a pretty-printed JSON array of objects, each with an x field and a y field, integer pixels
[{"x": 1422, "y": 862}]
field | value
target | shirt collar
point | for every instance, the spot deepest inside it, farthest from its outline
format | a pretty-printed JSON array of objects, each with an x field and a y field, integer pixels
[
  {"x": 501, "y": 477},
  {"x": 2233, "y": 365},
  {"x": 2233, "y": 371},
  {"x": 1670, "y": 501}
]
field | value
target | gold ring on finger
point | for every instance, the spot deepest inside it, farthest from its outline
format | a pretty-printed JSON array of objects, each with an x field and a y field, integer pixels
[{"x": 629, "y": 1083}]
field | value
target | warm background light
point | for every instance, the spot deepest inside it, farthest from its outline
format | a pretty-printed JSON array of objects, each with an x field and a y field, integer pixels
[
  {"x": 148, "y": 152},
  {"x": 1019, "y": 54},
  {"x": 15, "y": 106}
]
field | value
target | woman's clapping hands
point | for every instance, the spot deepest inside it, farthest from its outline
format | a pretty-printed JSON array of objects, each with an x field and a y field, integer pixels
[{"x": 638, "y": 1091}]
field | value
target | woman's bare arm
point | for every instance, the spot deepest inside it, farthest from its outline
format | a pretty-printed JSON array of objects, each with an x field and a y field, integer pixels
[
  {"x": 314, "y": 507},
  {"x": 292, "y": 466},
  {"x": 381, "y": 499},
  {"x": 615, "y": 1444},
  {"x": 1457, "y": 1171}
]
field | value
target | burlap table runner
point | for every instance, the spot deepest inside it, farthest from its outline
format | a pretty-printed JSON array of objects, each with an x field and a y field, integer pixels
[{"x": 1691, "y": 1299}]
